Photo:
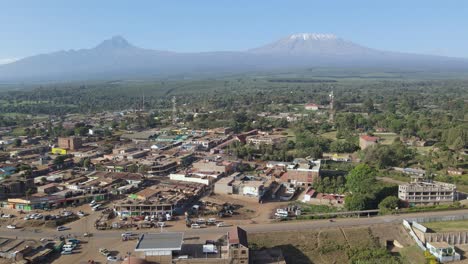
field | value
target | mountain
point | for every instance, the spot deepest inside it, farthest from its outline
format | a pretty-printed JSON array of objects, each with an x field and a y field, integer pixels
[
  {"x": 313, "y": 44},
  {"x": 117, "y": 58}
]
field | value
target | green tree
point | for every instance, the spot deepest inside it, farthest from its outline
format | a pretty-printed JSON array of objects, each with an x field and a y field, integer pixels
[
  {"x": 357, "y": 202},
  {"x": 361, "y": 179},
  {"x": 17, "y": 142},
  {"x": 389, "y": 203}
]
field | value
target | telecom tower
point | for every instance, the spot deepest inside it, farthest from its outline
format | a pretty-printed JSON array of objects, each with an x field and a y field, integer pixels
[
  {"x": 332, "y": 101},
  {"x": 174, "y": 110}
]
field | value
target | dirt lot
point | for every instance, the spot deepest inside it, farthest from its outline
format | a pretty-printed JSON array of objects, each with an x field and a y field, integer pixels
[{"x": 330, "y": 245}]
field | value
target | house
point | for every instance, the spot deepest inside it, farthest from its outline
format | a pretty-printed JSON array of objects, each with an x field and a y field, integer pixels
[
  {"x": 48, "y": 188},
  {"x": 443, "y": 251},
  {"x": 366, "y": 141},
  {"x": 304, "y": 173},
  {"x": 311, "y": 106},
  {"x": 238, "y": 247}
]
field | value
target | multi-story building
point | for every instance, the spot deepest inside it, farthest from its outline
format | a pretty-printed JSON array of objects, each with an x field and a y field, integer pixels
[
  {"x": 426, "y": 193},
  {"x": 303, "y": 173},
  {"x": 238, "y": 246},
  {"x": 71, "y": 143}
]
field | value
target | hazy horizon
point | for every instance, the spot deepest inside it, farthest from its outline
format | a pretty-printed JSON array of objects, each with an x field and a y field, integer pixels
[{"x": 422, "y": 27}]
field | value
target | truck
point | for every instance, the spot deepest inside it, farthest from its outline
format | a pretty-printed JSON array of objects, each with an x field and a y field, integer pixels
[{"x": 210, "y": 249}]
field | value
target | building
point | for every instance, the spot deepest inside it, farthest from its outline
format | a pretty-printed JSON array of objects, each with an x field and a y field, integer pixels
[
  {"x": 443, "y": 251},
  {"x": 303, "y": 173},
  {"x": 238, "y": 246},
  {"x": 160, "y": 247},
  {"x": 311, "y": 106},
  {"x": 266, "y": 139},
  {"x": 224, "y": 185},
  {"x": 455, "y": 171},
  {"x": 224, "y": 167},
  {"x": 70, "y": 143},
  {"x": 192, "y": 177},
  {"x": 426, "y": 193},
  {"x": 366, "y": 141}
]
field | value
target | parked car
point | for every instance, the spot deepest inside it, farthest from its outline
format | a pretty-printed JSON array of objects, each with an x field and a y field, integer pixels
[
  {"x": 195, "y": 226},
  {"x": 38, "y": 216},
  {"x": 81, "y": 214},
  {"x": 7, "y": 216},
  {"x": 62, "y": 228},
  {"x": 67, "y": 213},
  {"x": 66, "y": 252},
  {"x": 127, "y": 234},
  {"x": 92, "y": 203},
  {"x": 221, "y": 224},
  {"x": 11, "y": 227},
  {"x": 74, "y": 241},
  {"x": 112, "y": 258}
]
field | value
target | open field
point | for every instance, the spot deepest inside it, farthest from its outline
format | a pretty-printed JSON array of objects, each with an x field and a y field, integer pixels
[
  {"x": 386, "y": 138},
  {"x": 447, "y": 226},
  {"x": 333, "y": 245},
  {"x": 329, "y": 135}
]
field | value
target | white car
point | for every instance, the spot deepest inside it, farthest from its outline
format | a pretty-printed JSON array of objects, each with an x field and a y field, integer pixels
[
  {"x": 27, "y": 217},
  {"x": 112, "y": 258},
  {"x": 195, "y": 226},
  {"x": 81, "y": 214},
  {"x": 92, "y": 203},
  {"x": 67, "y": 213},
  {"x": 11, "y": 227},
  {"x": 127, "y": 234},
  {"x": 7, "y": 216},
  {"x": 61, "y": 228},
  {"x": 221, "y": 224},
  {"x": 38, "y": 216}
]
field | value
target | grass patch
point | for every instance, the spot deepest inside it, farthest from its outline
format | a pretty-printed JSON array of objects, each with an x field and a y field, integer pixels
[
  {"x": 386, "y": 138},
  {"x": 412, "y": 255},
  {"x": 447, "y": 226},
  {"x": 329, "y": 135}
]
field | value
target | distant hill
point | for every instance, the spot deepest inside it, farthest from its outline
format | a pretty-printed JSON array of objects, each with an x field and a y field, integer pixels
[{"x": 117, "y": 58}]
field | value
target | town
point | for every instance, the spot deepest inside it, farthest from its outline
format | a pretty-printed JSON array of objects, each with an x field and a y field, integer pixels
[
  {"x": 233, "y": 132},
  {"x": 88, "y": 190}
]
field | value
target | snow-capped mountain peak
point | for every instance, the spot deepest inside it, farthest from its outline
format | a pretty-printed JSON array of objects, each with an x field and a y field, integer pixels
[{"x": 312, "y": 36}]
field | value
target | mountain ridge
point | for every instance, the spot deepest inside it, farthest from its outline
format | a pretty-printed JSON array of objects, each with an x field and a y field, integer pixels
[{"x": 117, "y": 57}]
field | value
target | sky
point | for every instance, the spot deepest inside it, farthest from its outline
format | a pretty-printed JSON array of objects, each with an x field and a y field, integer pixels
[{"x": 33, "y": 27}]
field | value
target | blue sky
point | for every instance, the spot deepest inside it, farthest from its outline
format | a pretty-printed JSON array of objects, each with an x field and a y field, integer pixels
[{"x": 32, "y": 27}]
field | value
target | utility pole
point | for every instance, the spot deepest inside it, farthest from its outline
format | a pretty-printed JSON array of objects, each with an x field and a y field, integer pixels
[
  {"x": 174, "y": 110},
  {"x": 332, "y": 102}
]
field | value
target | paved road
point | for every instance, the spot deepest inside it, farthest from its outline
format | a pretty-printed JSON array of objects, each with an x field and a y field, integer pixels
[{"x": 253, "y": 228}]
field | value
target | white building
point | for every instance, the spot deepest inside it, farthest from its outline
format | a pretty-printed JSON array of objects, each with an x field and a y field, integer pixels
[
  {"x": 191, "y": 178},
  {"x": 159, "y": 247},
  {"x": 443, "y": 251}
]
